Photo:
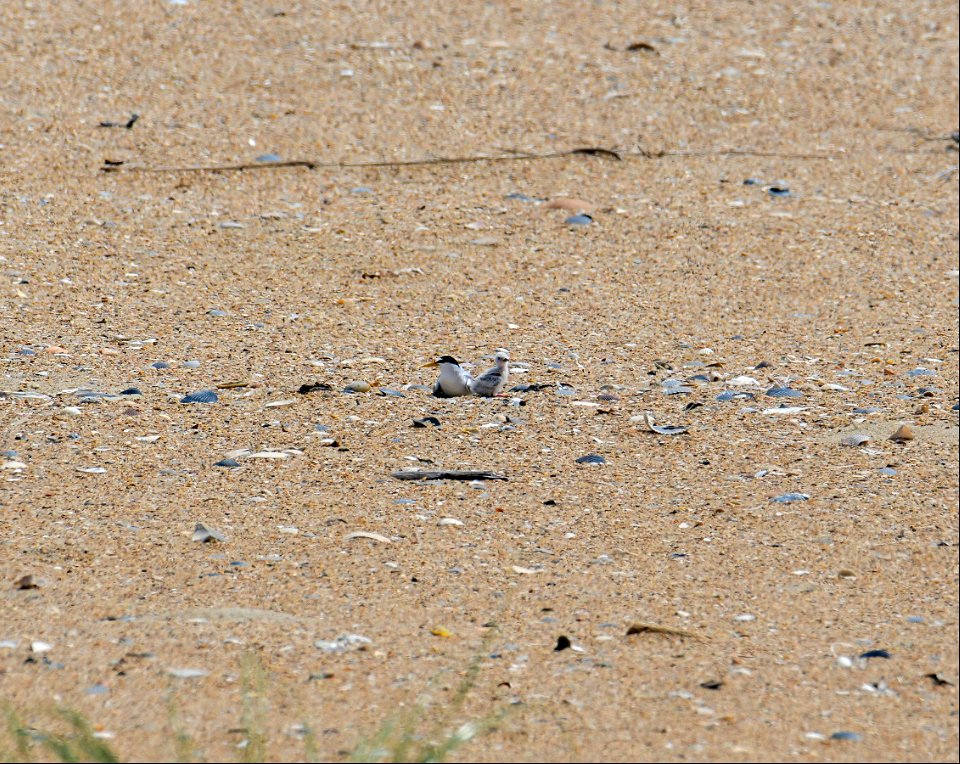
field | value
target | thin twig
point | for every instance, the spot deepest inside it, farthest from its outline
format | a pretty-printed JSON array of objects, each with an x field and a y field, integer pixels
[
  {"x": 312, "y": 165},
  {"x": 513, "y": 155}
]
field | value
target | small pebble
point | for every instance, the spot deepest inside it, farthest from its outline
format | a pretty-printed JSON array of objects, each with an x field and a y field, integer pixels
[{"x": 579, "y": 220}]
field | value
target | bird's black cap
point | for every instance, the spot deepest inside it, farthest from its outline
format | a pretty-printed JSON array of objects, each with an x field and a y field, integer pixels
[{"x": 448, "y": 359}]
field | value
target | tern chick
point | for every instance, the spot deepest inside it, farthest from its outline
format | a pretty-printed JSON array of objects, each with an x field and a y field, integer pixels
[
  {"x": 453, "y": 381},
  {"x": 491, "y": 383}
]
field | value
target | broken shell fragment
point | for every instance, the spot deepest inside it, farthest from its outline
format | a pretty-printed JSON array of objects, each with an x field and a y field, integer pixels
[
  {"x": 367, "y": 535},
  {"x": 856, "y": 439},
  {"x": 206, "y": 534},
  {"x": 903, "y": 434},
  {"x": 665, "y": 429}
]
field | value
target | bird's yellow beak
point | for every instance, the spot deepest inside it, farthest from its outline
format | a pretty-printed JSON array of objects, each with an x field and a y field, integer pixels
[{"x": 430, "y": 365}]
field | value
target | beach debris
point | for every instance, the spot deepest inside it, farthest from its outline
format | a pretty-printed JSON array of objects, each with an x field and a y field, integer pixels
[
  {"x": 205, "y": 534},
  {"x": 652, "y": 628},
  {"x": 591, "y": 459},
  {"x": 903, "y": 434},
  {"x": 664, "y": 429},
  {"x": 343, "y": 643},
  {"x": 447, "y": 475},
  {"x": 201, "y": 396},
  {"x": 789, "y": 498},
  {"x": 856, "y": 439},
  {"x": 379, "y": 537}
]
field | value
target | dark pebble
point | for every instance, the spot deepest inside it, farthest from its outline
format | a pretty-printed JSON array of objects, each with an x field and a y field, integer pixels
[
  {"x": 875, "y": 654},
  {"x": 227, "y": 463},
  {"x": 426, "y": 421},
  {"x": 160, "y": 365},
  {"x": 563, "y": 643},
  {"x": 778, "y": 191},
  {"x": 131, "y": 391}
]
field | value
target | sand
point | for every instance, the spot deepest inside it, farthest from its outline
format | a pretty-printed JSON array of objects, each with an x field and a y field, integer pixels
[{"x": 694, "y": 271}]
